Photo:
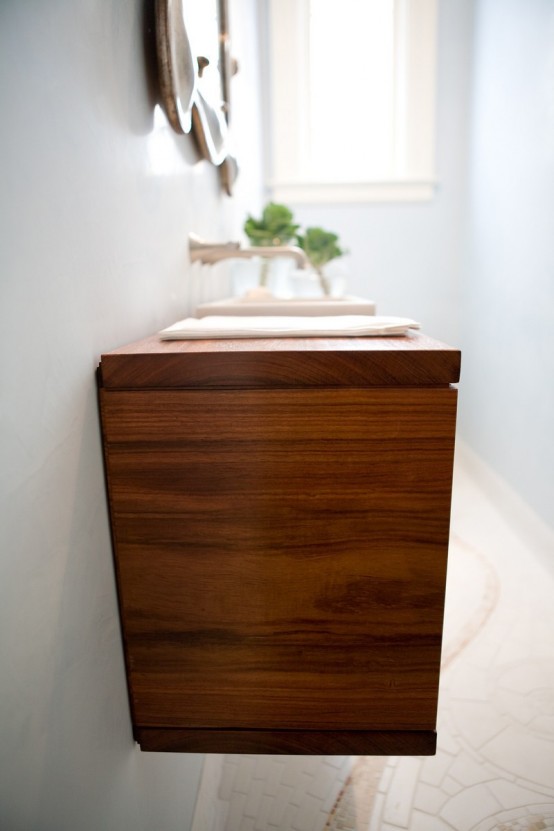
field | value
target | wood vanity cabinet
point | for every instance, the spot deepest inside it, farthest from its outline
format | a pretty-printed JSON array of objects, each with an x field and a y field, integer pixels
[{"x": 280, "y": 514}]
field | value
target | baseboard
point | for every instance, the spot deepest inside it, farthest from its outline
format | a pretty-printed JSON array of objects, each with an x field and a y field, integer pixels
[{"x": 526, "y": 524}]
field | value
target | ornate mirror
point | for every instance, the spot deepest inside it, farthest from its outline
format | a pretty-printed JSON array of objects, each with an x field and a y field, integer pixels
[
  {"x": 195, "y": 71},
  {"x": 176, "y": 66}
]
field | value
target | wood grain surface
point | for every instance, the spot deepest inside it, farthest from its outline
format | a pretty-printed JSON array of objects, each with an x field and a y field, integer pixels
[
  {"x": 414, "y": 359},
  {"x": 281, "y": 560}
]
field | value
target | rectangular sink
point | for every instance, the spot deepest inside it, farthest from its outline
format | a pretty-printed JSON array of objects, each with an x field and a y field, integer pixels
[{"x": 295, "y": 306}]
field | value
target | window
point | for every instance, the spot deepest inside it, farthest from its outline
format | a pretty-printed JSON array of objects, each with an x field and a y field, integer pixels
[{"x": 352, "y": 89}]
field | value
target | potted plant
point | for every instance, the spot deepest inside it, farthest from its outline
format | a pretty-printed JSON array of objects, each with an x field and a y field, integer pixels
[
  {"x": 275, "y": 227},
  {"x": 320, "y": 248}
]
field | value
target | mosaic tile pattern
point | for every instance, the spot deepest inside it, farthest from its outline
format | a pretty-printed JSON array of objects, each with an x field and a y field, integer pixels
[
  {"x": 530, "y": 822},
  {"x": 355, "y": 802},
  {"x": 281, "y": 793}
]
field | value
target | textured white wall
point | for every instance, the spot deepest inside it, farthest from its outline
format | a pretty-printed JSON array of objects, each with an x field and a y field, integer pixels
[
  {"x": 507, "y": 390},
  {"x": 97, "y": 197}
]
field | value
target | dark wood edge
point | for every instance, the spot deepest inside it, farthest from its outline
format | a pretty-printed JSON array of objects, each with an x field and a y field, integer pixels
[
  {"x": 286, "y": 363},
  {"x": 109, "y": 508},
  {"x": 291, "y": 742},
  {"x": 279, "y": 370}
]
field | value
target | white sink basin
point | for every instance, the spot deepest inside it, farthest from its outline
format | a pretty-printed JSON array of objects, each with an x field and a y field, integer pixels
[{"x": 295, "y": 306}]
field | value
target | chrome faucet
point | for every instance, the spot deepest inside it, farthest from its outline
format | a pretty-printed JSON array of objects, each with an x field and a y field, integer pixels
[{"x": 213, "y": 252}]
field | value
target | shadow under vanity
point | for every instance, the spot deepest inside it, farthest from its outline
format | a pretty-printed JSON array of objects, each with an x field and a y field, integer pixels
[{"x": 280, "y": 513}]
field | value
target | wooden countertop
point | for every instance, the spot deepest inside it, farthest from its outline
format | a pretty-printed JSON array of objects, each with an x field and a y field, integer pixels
[{"x": 259, "y": 363}]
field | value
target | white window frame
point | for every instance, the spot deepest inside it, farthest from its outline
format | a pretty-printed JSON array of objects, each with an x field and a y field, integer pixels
[{"x": 413, "y": 176}]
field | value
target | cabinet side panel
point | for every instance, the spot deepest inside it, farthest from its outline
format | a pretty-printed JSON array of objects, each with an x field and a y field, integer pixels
[{"x": 282, "y": 558}]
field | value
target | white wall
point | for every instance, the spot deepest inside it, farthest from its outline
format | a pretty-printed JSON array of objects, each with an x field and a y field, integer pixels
[
  {"x": 408, "y": 256},
  {"x": 98, "y": 196},
  {"x": 507, "y": 390}
]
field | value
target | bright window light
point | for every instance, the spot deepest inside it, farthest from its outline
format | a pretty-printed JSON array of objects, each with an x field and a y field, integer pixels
[
  {"x": 349, "y": 68},
  {"x": 352, "y": 99}
]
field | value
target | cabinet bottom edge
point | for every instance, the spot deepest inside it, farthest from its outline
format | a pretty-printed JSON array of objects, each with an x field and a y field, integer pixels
[{"x": 290, "y": 742}]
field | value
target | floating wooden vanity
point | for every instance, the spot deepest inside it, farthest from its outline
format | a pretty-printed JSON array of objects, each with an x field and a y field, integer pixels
[{"x": 280, "y": 513}]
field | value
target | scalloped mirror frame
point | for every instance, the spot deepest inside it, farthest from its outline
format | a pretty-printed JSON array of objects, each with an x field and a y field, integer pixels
[{"x": 177, "y": 70}]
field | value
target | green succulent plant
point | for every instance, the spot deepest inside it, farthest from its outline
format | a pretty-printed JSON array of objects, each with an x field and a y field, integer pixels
[
  {"x": 275, "y": 227},
  {"x": 320, "y": 248}
]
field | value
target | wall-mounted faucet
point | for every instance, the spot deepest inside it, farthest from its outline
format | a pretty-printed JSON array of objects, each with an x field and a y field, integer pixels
[{"x": 213, "y": 252}]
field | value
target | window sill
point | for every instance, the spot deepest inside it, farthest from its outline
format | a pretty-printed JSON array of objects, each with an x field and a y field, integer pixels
[{"x": 400, "y": 190}]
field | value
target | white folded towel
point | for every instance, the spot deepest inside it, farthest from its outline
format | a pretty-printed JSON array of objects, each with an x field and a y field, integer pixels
[{"x": 287, "y": 327}]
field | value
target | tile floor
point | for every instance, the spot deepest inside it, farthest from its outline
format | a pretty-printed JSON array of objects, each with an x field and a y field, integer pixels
[{"x": 494, "y": 767}]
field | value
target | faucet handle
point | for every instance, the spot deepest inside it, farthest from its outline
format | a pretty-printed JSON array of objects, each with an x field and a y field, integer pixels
[
  {"x": 209, "y": 252},
  {"x": 212, "y": 252}
]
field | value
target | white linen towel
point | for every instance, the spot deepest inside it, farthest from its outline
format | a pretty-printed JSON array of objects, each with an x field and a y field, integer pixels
[{"x": 287, "y": 327}]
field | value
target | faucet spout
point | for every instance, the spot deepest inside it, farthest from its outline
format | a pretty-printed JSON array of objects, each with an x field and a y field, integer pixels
[{"x": 213, "y": 252}]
